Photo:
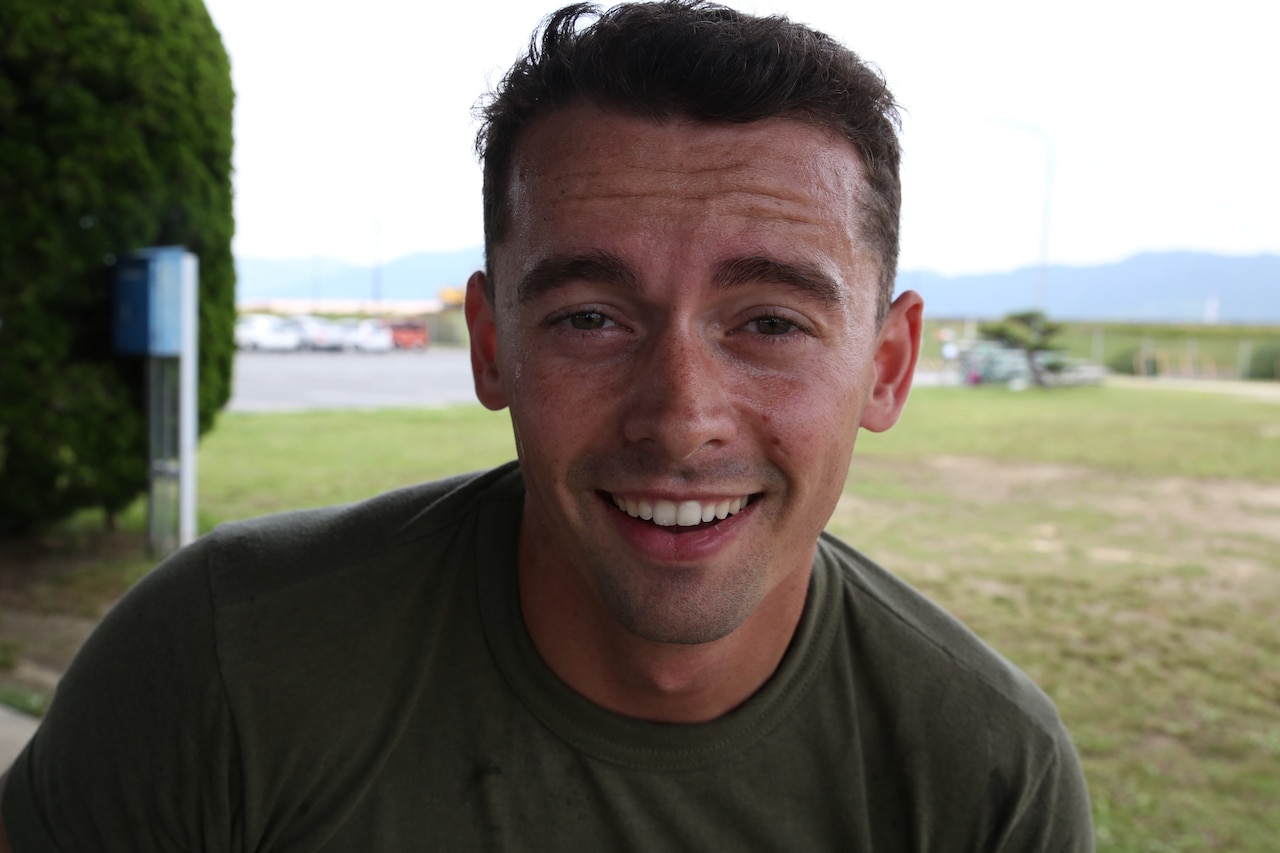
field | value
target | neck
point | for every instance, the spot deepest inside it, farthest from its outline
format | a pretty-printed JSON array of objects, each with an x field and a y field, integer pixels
[{"x": 636, "y": 677}]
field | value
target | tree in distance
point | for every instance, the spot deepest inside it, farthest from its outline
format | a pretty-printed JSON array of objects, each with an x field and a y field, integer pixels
[
  {"x": 1029, "y": 331},
  {"x": 115, "y": 135}
]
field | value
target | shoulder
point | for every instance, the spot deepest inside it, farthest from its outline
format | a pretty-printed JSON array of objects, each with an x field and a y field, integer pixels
[
  {"x": 950, "y": 717},
  {"x": 246, "y": 559},
  {"x": 308, "y": 565},
  {"x": 893, "y": 624}
]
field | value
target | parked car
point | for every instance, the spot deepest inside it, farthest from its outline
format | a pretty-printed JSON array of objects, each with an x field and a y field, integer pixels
[
  {"x": 321, "y": 334},
  {"x": 370, "y": 336},
  {"x": 408, "y": 335},
  {"x": 267, "y": 332}
]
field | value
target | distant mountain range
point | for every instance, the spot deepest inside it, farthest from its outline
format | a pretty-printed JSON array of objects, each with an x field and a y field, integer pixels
[
  {"x": 1186, "y": 287},
  {"x": 420, "y": 276}
]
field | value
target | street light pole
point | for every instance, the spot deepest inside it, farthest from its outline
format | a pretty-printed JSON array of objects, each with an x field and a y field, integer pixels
[{"x": 1046, "y": 213}]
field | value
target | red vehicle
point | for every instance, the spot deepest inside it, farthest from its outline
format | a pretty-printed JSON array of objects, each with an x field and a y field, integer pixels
[{"x": 409, "y": 335}]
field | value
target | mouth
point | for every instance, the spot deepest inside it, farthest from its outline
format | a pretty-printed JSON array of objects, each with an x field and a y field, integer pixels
[{"x": 686, "y": 513}]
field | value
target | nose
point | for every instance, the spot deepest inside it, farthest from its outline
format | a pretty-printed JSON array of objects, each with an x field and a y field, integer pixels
[{"x": 679, "y": 399}]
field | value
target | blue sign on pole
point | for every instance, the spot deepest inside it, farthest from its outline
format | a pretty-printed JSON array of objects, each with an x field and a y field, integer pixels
[{"x": 148, "y": 307}]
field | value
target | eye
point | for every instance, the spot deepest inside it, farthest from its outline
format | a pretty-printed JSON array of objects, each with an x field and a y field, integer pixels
[
  {"x": 771, "y": 326},
  {"x": 588, "y": 321}
]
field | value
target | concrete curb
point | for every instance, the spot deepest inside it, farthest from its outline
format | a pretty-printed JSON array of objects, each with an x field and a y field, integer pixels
[
  {"x": 1255, "y": 389},
  {"x": 16, "y": 729}
]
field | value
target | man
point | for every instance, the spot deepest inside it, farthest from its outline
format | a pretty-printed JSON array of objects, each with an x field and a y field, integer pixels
[{"x": 638, "y": 637}]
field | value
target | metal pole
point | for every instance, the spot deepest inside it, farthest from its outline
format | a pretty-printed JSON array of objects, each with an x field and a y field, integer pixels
[
  {"x": 1244, "y": 355},
  {"x": 1044, "y": 220},
  {"x": 188, "y": 409},
  {"x": 1047, "y": 211},
  {"x": 154, "y": 405}
]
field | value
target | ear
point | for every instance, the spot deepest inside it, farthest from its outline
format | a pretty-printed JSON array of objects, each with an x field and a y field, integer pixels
[
  {"x": 897, "y": 348},
  {"x": 484, "y": 344}
]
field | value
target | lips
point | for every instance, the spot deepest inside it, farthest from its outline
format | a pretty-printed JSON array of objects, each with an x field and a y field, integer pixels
[{"x": 687, "y": 513}]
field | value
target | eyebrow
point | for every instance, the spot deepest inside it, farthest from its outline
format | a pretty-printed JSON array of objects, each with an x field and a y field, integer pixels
[
  {"x": 607, "y": 268},
  {"x": 803, "y": 277},
  {"x": 559, "y": 270}
]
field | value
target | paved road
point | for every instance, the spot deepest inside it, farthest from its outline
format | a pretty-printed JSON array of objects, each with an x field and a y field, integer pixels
[{"x": 295, "y": 381}]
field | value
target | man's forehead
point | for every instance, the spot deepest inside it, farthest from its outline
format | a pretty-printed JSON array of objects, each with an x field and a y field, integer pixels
[
  {"x": 573, "y": 139},
  {"x": 778, "y": 168}
]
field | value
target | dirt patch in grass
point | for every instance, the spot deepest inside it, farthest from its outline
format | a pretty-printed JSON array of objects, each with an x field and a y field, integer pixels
[
  {"x": 53, "y": 591},
  {"x": 1230, "y": 514},
  {"x": 1230, "y": 506}
]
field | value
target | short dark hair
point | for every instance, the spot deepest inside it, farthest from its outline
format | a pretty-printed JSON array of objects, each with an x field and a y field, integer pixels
[{"x": 706, "y": 62}]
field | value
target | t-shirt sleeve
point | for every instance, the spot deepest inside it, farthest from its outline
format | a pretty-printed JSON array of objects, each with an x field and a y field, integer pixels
[
  {"x": 1054, "y": 815},
  {"x": 137, "y": 751}
]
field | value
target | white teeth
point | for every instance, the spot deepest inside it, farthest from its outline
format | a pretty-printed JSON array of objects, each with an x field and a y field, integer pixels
[
  {"x": 683, "y": 514},
  {"x": 689, "y": 514},
  {"x": 664, "y": 513}
]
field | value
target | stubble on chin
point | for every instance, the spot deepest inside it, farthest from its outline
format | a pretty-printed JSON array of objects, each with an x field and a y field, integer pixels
[{"x": 681, "y": 609}]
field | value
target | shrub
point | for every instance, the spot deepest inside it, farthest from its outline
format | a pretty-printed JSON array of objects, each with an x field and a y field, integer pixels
[
  {"x": 1133, "y": 360},
  {"x": 1265, "y": 362},
  {"x": 116, "y": 118}
]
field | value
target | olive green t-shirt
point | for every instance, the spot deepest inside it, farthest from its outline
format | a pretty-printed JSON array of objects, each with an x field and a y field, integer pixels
[{"x": 359, "y": 679}]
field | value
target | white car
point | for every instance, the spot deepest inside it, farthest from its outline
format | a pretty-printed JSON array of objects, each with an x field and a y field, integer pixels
[
  {"x": 267, "y": 332},
  {"x": 319, "y": 334},
  {"x": 370, "y": 336}
]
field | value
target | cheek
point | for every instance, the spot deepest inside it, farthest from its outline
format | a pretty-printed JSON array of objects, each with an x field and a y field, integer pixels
[
  {"x": 566, "y": 387},
  {"x": 557, "y": 413},
  {"x": 806, "y": 418},
  {"x": 813, "y": 451}
]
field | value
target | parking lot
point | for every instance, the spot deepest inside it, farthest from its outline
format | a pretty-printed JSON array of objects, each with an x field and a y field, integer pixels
[{"x": 296, "y": 381}]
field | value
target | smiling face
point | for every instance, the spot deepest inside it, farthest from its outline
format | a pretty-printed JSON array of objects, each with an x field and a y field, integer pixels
[{"x": 684, "y": 330}]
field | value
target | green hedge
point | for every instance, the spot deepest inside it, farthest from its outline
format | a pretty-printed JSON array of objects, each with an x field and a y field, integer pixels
[
  {"x": 115, "y": 134},
  {"x": 1265, "y": 363}
]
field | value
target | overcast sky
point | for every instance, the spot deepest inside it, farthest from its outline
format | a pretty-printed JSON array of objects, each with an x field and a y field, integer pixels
[{"x": 1156, "y": 123}]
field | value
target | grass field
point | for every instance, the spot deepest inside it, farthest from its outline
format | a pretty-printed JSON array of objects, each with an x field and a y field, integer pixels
[{"x": 1121, "y": 546}]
